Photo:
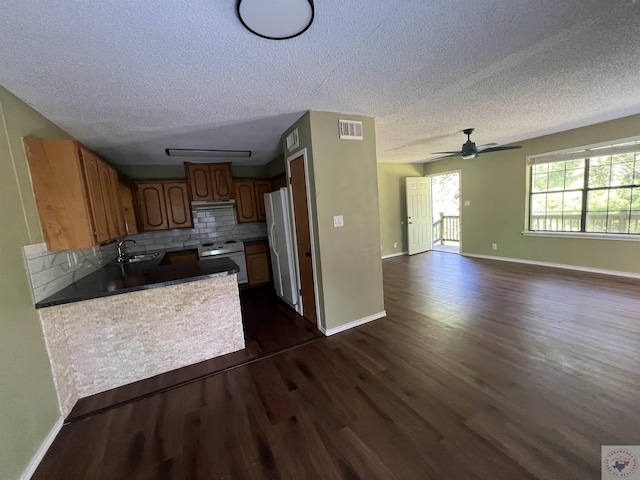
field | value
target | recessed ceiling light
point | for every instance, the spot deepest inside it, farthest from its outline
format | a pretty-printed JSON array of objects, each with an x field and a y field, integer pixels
[
  {"x": 190, "y": 152},
  {"x": 276, "y": 19}
]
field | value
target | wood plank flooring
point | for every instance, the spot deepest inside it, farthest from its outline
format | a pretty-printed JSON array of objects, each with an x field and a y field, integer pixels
[
  {"x": 270, "y": 326},
  {"x": 481, "y": 370}
]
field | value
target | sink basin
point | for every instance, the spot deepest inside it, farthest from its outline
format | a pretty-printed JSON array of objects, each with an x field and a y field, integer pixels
[{"x": 142, "y": 257}]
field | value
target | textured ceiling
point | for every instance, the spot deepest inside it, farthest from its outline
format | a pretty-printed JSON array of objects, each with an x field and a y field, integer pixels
[{"x": 130, "y": 79}]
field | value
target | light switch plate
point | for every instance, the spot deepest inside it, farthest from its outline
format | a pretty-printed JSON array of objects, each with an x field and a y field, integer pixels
[
  {"x": 338, "y": 221},
  {"x": 467, "y": 203}
]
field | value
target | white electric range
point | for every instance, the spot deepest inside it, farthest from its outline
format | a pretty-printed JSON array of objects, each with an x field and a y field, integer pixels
[{"x": 232, "y": 249}]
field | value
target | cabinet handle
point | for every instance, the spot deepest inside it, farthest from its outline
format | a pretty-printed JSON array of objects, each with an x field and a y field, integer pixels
[{"x": 307, "y": 254}]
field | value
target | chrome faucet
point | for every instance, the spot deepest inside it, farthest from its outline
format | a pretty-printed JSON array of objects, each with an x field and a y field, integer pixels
[{"x": 122, "y": 251}]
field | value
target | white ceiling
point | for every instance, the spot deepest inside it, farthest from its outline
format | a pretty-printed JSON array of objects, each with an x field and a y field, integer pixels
[{"x": 130, "y": 79}]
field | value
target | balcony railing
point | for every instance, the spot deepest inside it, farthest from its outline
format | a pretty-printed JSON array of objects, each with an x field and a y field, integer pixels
[
  {"x": 596, "y": 222},
  {"x": 446, "y": 229}
]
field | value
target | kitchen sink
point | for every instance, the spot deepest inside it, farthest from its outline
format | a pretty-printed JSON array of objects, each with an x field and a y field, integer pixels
[{"x": 142, "y": 257}]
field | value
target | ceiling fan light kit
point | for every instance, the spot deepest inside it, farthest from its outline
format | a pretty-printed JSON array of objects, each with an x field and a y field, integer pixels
[
  {"x": 276, "y": 19},
  {"x": 469, "y": 149}
]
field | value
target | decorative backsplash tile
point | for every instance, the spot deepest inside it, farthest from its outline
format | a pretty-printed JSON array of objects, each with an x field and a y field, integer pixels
[
  {"x": 217, "y": 225},
  {"x": 50, "y": 272}
]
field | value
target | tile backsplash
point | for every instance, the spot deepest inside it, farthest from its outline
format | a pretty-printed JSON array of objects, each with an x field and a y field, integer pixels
[
  {"x": 50, "y": 272},
  {"x": 217, "y": 225}
]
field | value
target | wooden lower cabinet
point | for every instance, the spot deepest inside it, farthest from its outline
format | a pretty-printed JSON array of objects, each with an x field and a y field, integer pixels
[
  {"x": 164, "y": 205},
  {"x": 258, "y": 263}
]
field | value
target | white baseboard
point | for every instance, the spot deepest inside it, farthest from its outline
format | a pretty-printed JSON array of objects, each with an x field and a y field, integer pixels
[
  {"x": 394, "y": 255},
  {"x": 563, "y": 266},
  {"x": 355, "y": 323},
  {"x": 39, "y": 455}
]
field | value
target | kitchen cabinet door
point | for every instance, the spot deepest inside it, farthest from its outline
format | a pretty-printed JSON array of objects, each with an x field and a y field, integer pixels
[
  {"x": 115, "y": 192},
  {"x": 129, "y": 210},
  {"x": 91, "y": 166},
  {"x": 178, "y": 205},
  {"x": 221, "y": 179},
  {"x": 152, "y": 207},
  {"x": 106, "y": 187},
  {"x": 245, "y": 201},
  {"x": 258, "y": 270},
  {"x": 262, "y": 187},
  {"x": 200, "y": 181}
]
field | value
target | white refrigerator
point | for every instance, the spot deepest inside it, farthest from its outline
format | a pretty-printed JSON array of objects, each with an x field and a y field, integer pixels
[{"x": 281, "y": 246}]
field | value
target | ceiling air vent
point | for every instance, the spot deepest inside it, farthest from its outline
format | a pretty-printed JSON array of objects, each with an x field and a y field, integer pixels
[
  {"x": 292, "y": 140},
  {"x": 350, "y": 130}
]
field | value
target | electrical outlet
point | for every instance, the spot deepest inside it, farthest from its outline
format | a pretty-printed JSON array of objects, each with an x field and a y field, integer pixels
[
  {"x": 494, "y": 246},
  {"x": 395, "y": 244},
  {"x": 338, "y": 221}
]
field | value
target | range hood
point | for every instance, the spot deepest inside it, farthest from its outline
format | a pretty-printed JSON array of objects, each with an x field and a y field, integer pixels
[{"x": 212, "y": 205}]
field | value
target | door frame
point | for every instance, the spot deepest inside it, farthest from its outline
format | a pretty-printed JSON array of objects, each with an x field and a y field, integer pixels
[
  {"x": 303, "y": 153},
  {"x": 460, "y": 204}
]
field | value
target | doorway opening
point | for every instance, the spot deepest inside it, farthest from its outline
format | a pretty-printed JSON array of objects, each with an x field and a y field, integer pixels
[{"x": 445, "y": 207}]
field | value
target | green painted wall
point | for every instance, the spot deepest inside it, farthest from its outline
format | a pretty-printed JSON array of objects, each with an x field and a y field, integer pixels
[
  {"x": 393, "y": 207},
  {"x": 346, "y": 183},
  {"x": 28, "y": 404},
  {"x": 176, "y": 172},
  {"x": 276, "y": 166},
  {"x": 495, "y": 185}
]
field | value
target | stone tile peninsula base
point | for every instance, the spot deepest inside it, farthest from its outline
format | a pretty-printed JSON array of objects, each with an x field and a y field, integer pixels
[{"x": 104, "y": 343}]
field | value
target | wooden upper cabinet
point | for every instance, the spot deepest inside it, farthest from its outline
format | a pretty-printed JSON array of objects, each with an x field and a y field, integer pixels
[
  {"x": 121, "y": 221},
  {"x": 61, "y": 193},
  {"x": 128, "y": 209},
  {"x": 107, "y": 189},
  {"x": 245, "y": 194},
  {"x": 200, "y": 181},
  {"x": 262, "y": 187},
  {"x": 152, "y": 206},
  {"x": 176, "y": 195},
  {"x": 164, "y": 205},
  {"x": 209, "y": 181},
  {"x": 94, "y": 185},
  {"x": 222, "y": 183}
]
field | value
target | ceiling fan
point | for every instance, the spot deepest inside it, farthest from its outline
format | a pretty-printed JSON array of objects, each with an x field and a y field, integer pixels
[{"x": 469, "y": 149}]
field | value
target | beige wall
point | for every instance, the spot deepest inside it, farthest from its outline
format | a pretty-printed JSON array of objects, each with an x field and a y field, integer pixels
[
  {"x": 495, "y": 184},
  {"x": 28, "y": 406},
  {"x": 276, "y": 166},
  {"x": 393, "y": 207}
]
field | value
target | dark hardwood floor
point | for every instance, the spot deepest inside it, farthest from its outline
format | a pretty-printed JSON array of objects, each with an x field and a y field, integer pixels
[
  {"x": 270, "y": 326},
  {"x": 481, "y": 370}
]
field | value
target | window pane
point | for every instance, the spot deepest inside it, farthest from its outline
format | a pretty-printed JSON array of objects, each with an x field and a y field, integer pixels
[
  {"x": 556, "y": 180},
  {"x": 599, "y": 176},
  {"x": 574, "y": 178},
  {"x": 635, "y": 199},
  {"x": 538, "y": 211},
  {"x": 557, "y": 167},
  {"x": 619, "y": 199},
  {"x": 597, "y": 202},
  {"x": 571, "y": 211},
  {"x": 636, "y": 176},
  {"x": 540, "y": 183},
  {"x": 574, "y": 164},
  {"x": 634, "y": 223},
  {"x": 600, "y": 161},
  {"x": 540, "y": 169},
  {"x": 622, "y": 172},
  {"x": 618, "y": 221}
]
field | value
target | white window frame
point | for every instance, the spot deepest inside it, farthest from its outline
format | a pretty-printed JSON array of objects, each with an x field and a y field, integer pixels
[{"x": 596, "y": 149}]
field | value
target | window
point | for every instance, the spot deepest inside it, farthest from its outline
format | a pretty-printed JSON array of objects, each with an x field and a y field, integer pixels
[{"x": 593, "y": 189}]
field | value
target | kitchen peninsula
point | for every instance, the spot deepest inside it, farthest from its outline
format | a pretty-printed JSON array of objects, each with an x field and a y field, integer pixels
[{"x": 124, "y": 323}]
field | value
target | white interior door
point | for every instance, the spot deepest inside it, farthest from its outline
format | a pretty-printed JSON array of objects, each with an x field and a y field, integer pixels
[{"x": 419, "y": 224}]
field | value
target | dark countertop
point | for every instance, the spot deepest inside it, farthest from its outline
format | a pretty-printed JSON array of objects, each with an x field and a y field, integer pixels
[
  {"x": 114, "y": 279},
  {"x": 254, "y": 239}
]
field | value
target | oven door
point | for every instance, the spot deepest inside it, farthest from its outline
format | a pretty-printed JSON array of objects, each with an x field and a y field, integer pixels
[{"x": 238, "y": 258}]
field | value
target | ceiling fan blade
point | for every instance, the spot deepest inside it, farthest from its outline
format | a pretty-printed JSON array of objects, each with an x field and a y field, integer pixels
[
  {"x": 447, "y": 153},
  {"x": 499, "y": 149},
  {"x": 486, "y": 145},
  {"x": 454, "y": 154}
]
